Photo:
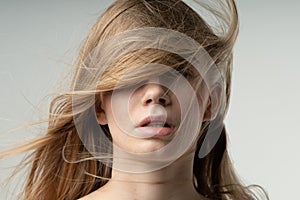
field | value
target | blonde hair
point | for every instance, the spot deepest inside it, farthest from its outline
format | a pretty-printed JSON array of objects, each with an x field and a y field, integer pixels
[{"x": 54, "y": 176}]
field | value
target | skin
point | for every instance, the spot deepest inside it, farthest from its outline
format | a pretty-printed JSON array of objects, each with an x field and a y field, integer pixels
[
  {"x": 145, "y": 101},
  {"x": 175, "y": 181},
  {"x": 172, "y": 182}
]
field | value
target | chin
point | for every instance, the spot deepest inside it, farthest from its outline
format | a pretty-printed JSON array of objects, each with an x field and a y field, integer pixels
[
  {"x": 140, "y": 145},
  {"x": 145, "y": 145}
]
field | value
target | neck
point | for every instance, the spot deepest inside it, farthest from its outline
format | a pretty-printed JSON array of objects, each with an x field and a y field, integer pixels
[{"x": 172, "y": 182}]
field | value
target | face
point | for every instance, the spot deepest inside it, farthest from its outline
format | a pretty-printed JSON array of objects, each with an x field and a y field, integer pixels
[
  {"x": 145, "y": 118},
  {"x": 148, "y": 123}
]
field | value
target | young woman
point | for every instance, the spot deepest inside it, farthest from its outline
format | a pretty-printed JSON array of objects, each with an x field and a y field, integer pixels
[{"x": 144, "y": 115}]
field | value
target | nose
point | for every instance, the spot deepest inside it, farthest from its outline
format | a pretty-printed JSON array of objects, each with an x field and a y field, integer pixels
[{"x": 155, "y": 94}]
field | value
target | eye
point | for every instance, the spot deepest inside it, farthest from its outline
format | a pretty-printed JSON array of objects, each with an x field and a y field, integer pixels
[
  {"x": 185, "y": 72},
  {"x": 176, "y": 73},
  {"x": 130, "y": 86}
]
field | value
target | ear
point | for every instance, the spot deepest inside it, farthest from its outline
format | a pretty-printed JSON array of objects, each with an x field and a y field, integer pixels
[
  {"x": 100, "y": 111},
  {"x": 213, "y": 104},
  {"x": 101, "y": 118}
]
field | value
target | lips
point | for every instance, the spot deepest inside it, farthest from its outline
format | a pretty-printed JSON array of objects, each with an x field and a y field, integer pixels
[
  {"x": 155, "y": 126},
  {"x": 155, "y": 120}
]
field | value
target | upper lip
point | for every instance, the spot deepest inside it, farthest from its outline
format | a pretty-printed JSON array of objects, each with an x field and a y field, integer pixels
[{"x": 157, "y": 119}]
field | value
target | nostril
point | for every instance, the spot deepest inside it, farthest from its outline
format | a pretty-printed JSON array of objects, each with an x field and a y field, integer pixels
[
  {"x": 162, "y": 101},
  {"x": 148, "y": 101}
]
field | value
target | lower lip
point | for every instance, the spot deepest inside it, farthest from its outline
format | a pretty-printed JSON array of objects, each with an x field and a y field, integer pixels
[{"x": 155, "y": 131}]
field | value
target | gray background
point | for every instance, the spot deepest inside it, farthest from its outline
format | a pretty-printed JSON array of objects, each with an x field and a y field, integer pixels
[{"x": 39, "y": 40}]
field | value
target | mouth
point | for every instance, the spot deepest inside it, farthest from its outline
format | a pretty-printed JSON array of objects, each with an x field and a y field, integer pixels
[{"x": 155, "y": 126}]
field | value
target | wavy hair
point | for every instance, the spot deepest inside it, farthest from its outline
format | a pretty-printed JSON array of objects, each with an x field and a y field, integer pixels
[{"x": 61, "y": 166}]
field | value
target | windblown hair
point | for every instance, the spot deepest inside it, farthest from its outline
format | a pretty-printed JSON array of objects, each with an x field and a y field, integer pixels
[{"x": 53, "y": 175}]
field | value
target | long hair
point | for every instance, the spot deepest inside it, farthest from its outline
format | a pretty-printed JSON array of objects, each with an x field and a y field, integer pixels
[{"x": 59, "y": 169}]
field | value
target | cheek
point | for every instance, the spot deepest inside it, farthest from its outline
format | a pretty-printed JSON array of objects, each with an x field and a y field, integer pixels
[
  {"x": 176, "y": 105},
  {"x": 202, "y": 101},
  {"x": 203, "y": 97},
  {"x": 134, "y": 102},
  {"x": 117, "y": 109}
]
